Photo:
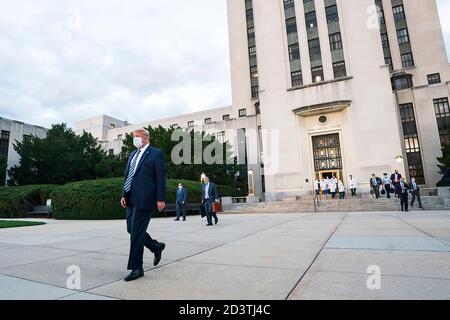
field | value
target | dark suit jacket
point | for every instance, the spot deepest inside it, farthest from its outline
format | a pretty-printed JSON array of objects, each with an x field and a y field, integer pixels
[
  {"x": 393, "y": 177},
  {"x": 378, "y": 182},
  {"x": 212, "y": 192},
  {"x": 181, "y": 195},
  {"x": 149, "y": 182}
]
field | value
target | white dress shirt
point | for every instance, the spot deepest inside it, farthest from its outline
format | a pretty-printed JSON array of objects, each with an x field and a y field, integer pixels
[
  {"x": 140, "y": 156},
  {"x": 207, "y": 191}
]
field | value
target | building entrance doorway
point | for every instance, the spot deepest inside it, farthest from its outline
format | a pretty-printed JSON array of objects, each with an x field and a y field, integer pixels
[{"x": 327, "y": 156}]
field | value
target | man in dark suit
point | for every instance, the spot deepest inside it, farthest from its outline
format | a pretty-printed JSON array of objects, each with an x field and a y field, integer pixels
[
  {"x": 181, "y": 201},
  {"x": 415, "y": 192},
  {"x": 209, "y": 196},
  {"x": 144, "y": 192},
  {"x": 375, "y": 183},
  {"x": 403, "y": 192},
  {"x": 395, "y": 178}
]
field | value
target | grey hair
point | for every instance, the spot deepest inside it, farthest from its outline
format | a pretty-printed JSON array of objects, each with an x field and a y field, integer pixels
[{"x": 145, "y": 132}]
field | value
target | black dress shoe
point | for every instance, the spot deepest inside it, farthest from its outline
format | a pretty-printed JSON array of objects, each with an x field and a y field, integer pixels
[
  {"x": 177, "y": 219},
  {"x": 209, "y": 224},
  {"x": 134, "y": 275},
  {"x": 184, "y": 219},
  {"x": 158, "y": 254},
  {"x": 216, "y": 221}
]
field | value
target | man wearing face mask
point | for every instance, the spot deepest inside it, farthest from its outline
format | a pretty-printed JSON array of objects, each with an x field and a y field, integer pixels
[
  {"x": 415, "y": 192},
  {"x": 144, "y": 192},
  {"x": 181, "y": 202}
]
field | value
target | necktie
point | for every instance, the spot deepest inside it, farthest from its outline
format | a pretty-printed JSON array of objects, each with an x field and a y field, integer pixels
[{"x": 130, "y": 176}]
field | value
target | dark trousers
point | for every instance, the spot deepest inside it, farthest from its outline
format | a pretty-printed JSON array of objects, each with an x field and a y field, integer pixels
[
  {"x": 416, "y": 194},
  {"x": 341, "y": 195},
  {"x": 397, "y": 189},
  {"x": 137, "y": 224},
  {"x": 208, "y": 210},
  {"x": 353, "y": 192},
  {"x": 404, "y": 200},
  {"x": 181, "y": 209},
  {"x": 376, "y": 191},
  {"x": 333, "y": 195},
  {"x": 387, "y": 188}
]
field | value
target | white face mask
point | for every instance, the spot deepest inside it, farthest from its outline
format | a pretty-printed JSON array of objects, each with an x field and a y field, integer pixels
[
  {"x": 137, "y": 142},
  {"x": 179, "y": 187}
]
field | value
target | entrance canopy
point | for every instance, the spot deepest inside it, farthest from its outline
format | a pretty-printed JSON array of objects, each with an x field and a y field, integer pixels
[{"x": 322, "y": 108}]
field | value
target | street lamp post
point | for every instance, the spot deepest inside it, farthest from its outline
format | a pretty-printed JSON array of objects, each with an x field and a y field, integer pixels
[{"x": 251, "y": 183}]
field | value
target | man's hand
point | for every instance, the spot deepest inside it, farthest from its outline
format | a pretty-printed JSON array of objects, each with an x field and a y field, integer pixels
[
  {"x": 161, "y": 205},
  {"x": 123, "y": 203}
]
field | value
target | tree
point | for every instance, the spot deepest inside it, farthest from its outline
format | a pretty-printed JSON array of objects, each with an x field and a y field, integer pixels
[
  {"x": 444, "y": 165},
  {"x": 59, "y": 158},
  {"x": 224, "y": 174}
]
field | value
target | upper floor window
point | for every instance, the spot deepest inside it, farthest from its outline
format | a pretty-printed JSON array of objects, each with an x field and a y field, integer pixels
[
  {"x": 119, "y": 137},
  {"x": 399, "y": 13},
  {"x": 442, "y": 110},
  {"x": 255, "y": 92},
  {"x": 332, "y": 13},
  {"x": 294, "y": 52},
  {"x": 297, "y": 78},
  {"x": 402, "y": 36},
  {"x": 339, "y": 69},
  {"x": 252, "y": 51},
  {"x": 402, "y": 82},
  {"x": 191, "y": 124},
  {"x": 311, "y": 20},
  {"x": 314, "y": 47},
  {"x": 317, "y": 74},
  {"x": 407, "y": 60},
  {"x": 242, "y": 113},
  {"x": 434, "y": 78},
  {"x": 226, "y": 117},
  {"x": 288, "y": 4},
  {"x": 385, "y": 40},
  {"x": 335, "y": 41},
  {"x": 251, "y": 33},
  {"x": 253, "y": 72},
  {"x": 291, "y": 25},
  {"x": 208, "y": 120}
]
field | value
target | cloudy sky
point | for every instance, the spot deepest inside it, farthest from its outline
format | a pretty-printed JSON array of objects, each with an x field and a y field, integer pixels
[{"x": 137, "y": 60}]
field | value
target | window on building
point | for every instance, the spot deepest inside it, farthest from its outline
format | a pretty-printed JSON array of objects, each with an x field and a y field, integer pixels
[
  {"x": 402, "y": 36},
  {"x": 4, "y": 143},
  {"x": 339, "y": 69},
  {"x": 208, "y": 120},
  {"x": 399, "y": 13},
  {"x": 335, "y": 41},
  {"x": 251, "y": 33},
  {"x": 434, "y": 78},
  {"x": 442, "y": 110},
  {"x": 297, "y": 78},
  {"x": 317, "y": 74},
  {"x": 412, "y": 144},
  {"x": 191, "y": 124},
  {"x": 220, "y": 136},
  {"x": 254, "y": 72},
  {"x": 288, "y": 4},
  {"x": 388, "y": 61},
  {"x": 332, "y": 13},
  {"x": 111, "y": 152},
  {"x": 294, "y": 52},
  {"x": 314, "y": 47},
  {"x": 252, "y": 51},
  {"x": 401, "y": 82},
  {"x": 311, "y": 20},
  {"x": 112, "y": 126},
  {"x": 291, "y": 25},
  {"x": 385, "y": 40},
  {"x": 255, "y": 92},
  {"x": 380, "y": 12},
  {"x": 407, "y": 60},
  {"x": 226, "y": 117},
  {"x": 120, "y": 137},
  {"x": 242, "y": 113}
]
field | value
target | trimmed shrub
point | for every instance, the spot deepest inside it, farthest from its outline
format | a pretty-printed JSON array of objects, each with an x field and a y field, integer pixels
[
  {"x": 16, "y": 202},
  {"x": 99, "y": 199}
]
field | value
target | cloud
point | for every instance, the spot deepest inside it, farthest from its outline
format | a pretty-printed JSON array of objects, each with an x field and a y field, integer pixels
[{"x": 138, "y": 60}]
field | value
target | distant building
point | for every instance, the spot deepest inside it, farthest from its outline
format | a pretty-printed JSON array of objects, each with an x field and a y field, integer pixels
[
  {"x": 12, "y": 131},
  {"x": 352, "y": 87}
]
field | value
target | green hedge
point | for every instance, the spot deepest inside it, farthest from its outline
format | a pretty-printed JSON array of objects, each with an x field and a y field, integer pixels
[
  {"x": 99, "y": 199},
  {"x": 16, "y": 202}
]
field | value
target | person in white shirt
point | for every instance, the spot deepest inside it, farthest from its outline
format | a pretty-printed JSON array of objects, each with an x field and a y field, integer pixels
[
  {"x": 323, "y": 186},
  {"x": 341, "y": 188},
  {"x": 333, "y": 187},
  {"x": 352, "y": 185},
  {"x": 327, "y": 185},
  {"x": 316, "y": 187}
]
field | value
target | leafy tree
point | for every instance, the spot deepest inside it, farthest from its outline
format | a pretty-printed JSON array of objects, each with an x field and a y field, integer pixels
[
  {"x": 224, "y": 173},
  {"x": 59, "y": 158},
  {"x": 444, "y": 165}
]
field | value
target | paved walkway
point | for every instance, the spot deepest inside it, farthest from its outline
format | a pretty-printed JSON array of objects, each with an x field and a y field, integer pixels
[{"x": 274, "y": 256}]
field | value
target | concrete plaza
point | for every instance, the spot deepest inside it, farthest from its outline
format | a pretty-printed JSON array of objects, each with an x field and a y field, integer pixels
[{"x": 246, "y": 256}]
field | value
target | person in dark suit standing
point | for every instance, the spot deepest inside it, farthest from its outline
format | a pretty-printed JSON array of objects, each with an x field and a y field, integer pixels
[
  {"x": 415, "y": 192},
  {"x": 395, "y": 178},
  {"x": 209, "y": 196},
  {"x": 403, "y": 192},
  {"x": 144, "y": 192},
  {"x": 181, "y": 202},
  {"x": 375, "y": 183}
]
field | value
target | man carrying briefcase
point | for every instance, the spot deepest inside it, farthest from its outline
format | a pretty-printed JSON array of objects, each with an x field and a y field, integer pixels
[{"x": 210, "y": 197}]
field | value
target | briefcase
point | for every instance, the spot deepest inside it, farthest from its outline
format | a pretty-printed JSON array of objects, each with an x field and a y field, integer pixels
[{"x": 217, "y": 207}]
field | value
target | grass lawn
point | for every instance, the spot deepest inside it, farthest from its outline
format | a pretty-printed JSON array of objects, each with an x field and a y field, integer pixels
[{"x": 16, "y": 224}]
